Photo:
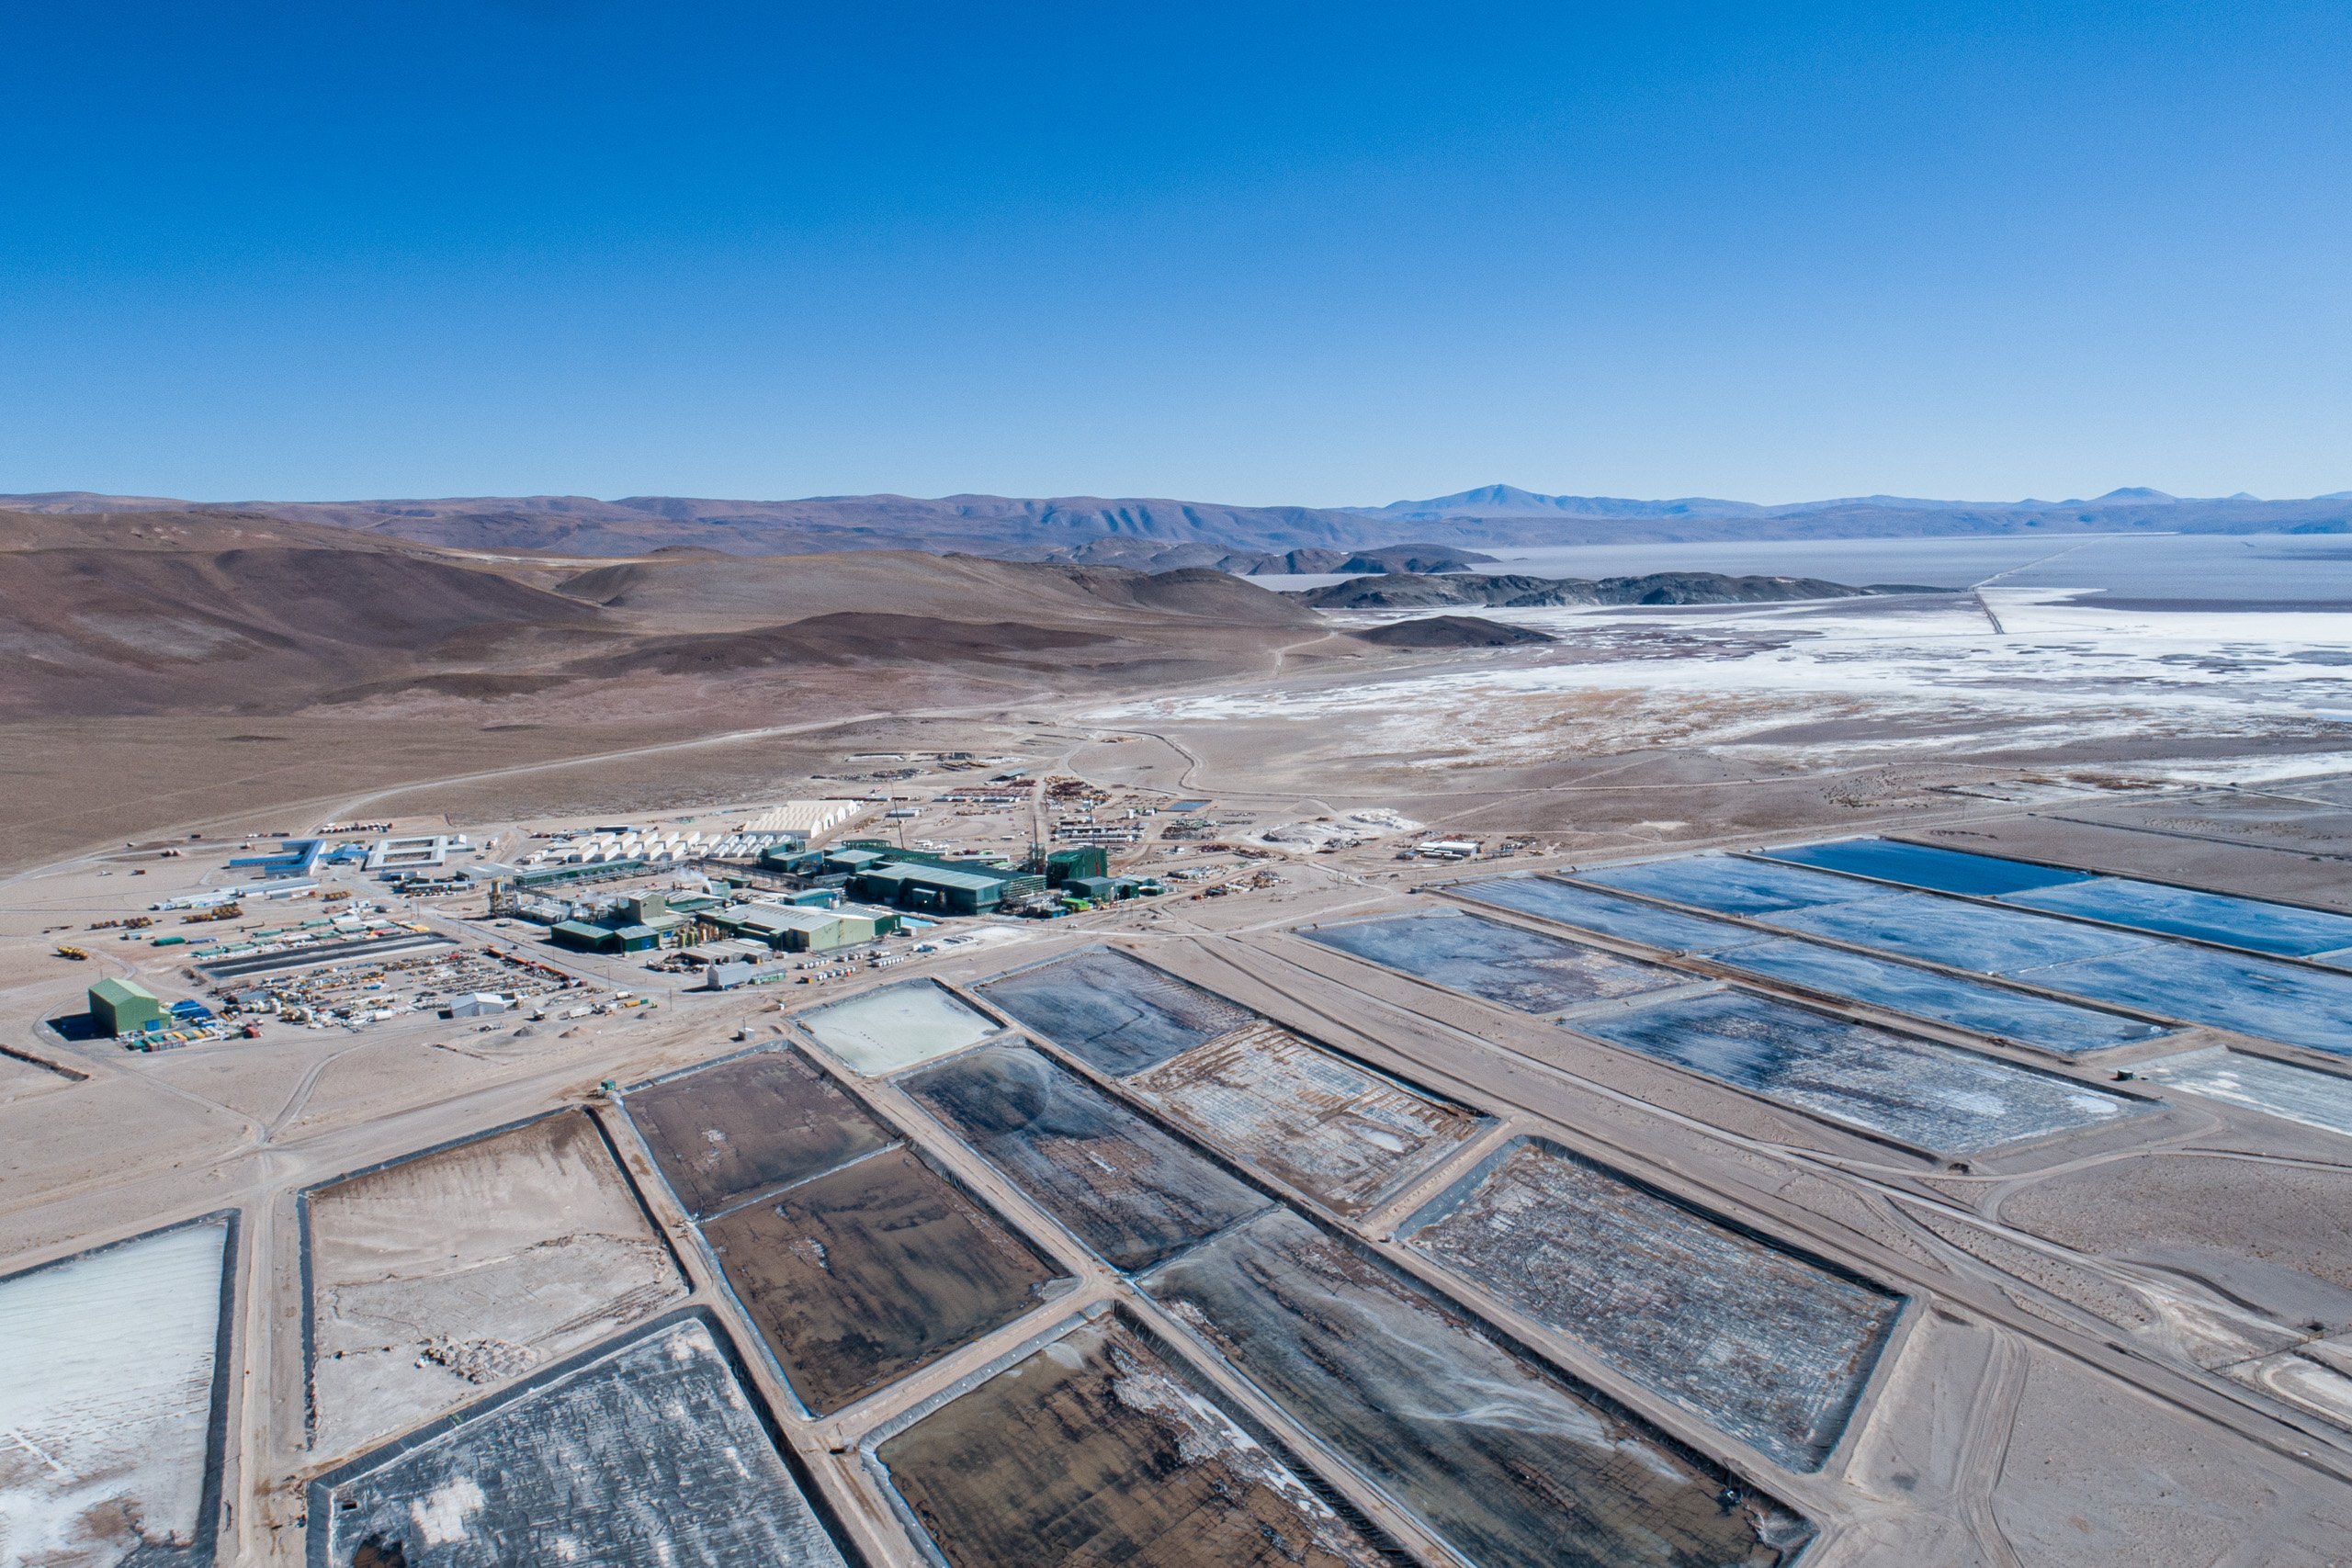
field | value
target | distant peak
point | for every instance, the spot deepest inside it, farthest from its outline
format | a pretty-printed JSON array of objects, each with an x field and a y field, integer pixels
[{"x": 2139, "y": 493}]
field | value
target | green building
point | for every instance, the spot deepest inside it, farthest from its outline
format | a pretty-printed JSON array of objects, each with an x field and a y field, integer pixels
[
  {"x": 125, "y": 1007},
  {"x": 630, "y": 936},
  {"x": 581, "y": 936},
  {"x": 1075, "y": 860},
  {"x": 934, "y": 887},
  {"x": 802, "y": 928}
]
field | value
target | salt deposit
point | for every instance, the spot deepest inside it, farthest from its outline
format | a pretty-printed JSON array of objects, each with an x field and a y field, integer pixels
[
  {"x": 2016, "y": 665},
  {"x": 106, "y": 1401}
]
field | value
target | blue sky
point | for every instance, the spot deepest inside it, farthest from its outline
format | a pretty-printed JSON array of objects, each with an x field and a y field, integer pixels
[{"x": 1264, "y": 253}]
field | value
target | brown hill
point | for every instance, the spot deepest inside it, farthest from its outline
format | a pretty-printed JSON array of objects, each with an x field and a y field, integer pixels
[
  {"x": 147, "y": 614},
  {"x": 712, "y": 592}
]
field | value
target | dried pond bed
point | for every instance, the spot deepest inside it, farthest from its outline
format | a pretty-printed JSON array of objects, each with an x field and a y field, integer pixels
[
  {"x": 439, "y": 1276},
  {"x": 1098, "y": 1449},
  {"x": 723, "y": 1133},
  {"x": 860, "y": 1276}
]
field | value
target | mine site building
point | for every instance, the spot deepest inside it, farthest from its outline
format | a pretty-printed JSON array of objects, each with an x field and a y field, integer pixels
[
  {"x": 791, "y": 928},
  {"x": 124, "y": 1007},
  {"x": 294, "y": 857},
  {"x": 1076, "y": 859},
  {"x": 1102, "y": 889},
  {"x": 935, "y": 888},
  {"x": 477, "y": 1004}
]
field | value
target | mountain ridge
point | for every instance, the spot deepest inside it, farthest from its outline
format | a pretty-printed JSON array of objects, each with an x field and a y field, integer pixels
[{"x": 1142, "y": 529}]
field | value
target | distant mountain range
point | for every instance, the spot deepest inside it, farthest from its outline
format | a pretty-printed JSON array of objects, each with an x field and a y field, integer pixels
[
  {"x": 1161, "y": 534},
  {"x": 2128, "y": 505}
]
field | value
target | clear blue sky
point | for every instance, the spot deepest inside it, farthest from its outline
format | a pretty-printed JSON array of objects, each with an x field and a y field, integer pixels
[{"x": 1262, "y": 252}]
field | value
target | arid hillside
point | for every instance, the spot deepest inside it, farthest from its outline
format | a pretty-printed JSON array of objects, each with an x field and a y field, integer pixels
[{"x": 151, "y": 614}]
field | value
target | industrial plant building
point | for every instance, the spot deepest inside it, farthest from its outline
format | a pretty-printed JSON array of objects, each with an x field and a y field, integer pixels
[{"x": 124, "y": 1007}]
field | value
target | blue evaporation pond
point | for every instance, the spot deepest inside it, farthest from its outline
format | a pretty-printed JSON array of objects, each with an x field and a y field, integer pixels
[
  {"x": 1936, "y": 930},
  {"x": 1730, "y": 885},
  {"x": 1935, "y": 1098},
  {"x": 1923, "y": 865},
  {"x": 1530, "y": 970},
  {"x": 2038, "y": 1022},
  {"x": 2184, "y": 912},
  {"x": 2261, "y": 997},
  {"x": 1630, "y": 919}
]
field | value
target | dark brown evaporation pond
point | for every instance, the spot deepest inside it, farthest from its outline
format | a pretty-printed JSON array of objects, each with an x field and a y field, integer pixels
[
  {"x": 747, "y": 1126},
  {"x": 1097, "y": 1448},
  {"x": 860, "y": 1276}
]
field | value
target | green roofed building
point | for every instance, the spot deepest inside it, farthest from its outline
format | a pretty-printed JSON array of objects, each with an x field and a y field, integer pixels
[
  {"x": 1075, "y": 860},
  {"x": 581, "y": 936},
  {"x": 125, "y": 1007},
  {"x": 930, "y": 888}
]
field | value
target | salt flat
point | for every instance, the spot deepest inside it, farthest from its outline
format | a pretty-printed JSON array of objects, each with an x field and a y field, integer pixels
[
  {"x": 106, "y": 1368},
  {"x": 2025, "y": 666}
]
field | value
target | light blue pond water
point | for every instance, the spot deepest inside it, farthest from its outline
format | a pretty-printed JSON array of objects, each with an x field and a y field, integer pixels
[
  {"x": 1519, "y": 968},
  {"x": 2261, "y": 997},
  {"x": 1922, "y": 866},
  {"x": 1731, "y": 885},
  {"x": 1612, "y": 916},
  {"x": 1928, "y": 1097},
  {"x": 1961, "y": 936},
  {"x": 2047, "y": 1025},
  {"x": 2182, "y": 911},
  {"x": 1116, "y": 1014}
]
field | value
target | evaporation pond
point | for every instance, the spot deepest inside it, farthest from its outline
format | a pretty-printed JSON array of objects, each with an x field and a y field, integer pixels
[
  {"x": 648, "y": 1455},
  {"x": 1532, "y": 971},
  {"x": 1097, "y": 1448},
  {"x": 1935, "y": 1098},
  {"x": 2182, "y": 911},
  {"x": 2260, "y": 997},
  {"x": 1118, "y": 1014},
  {"x": 1628, "y": 919},
  {"x": 1937, "y": 930},
  {"x": 2277, "y": 1089},
  {"x": 2040, "y": 1021},
  {"x": 727, "y": 1132},
  {"x": 433, "y": 1278},
  {"x": 1923, "y": 865},
  {"x": 1495, "y": 1453},
  {"x": 865, "y": 1274},
  {"x": 1730, "y": 885},
  {"x": 107, "y": 1373},
  {"x": 1341, "y": 1134},
  {"x": 1132, "y": 1191},
  {"x": 1770, "y": 1347},
  {"x": 897, "y": 1026}
]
